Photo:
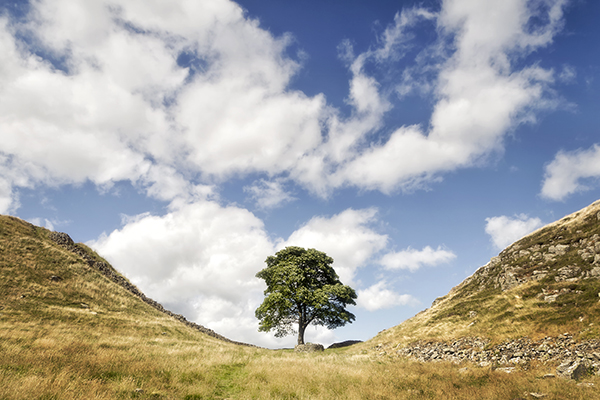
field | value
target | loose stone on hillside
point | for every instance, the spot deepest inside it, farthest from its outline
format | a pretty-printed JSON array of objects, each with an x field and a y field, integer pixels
[
  {"x": 538, "y": 395},
  {"x": 507, "y": 370},
  {"x": 309, "y": 347},
  {"x": 572, "y": 370}
]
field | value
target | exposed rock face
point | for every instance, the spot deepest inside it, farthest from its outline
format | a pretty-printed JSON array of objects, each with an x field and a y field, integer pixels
[
  {"x": 66, "y": 242},
  {"x": 309, "y": 347},
  {"x": 541, "y": 256},
  {"x": 61, "y": 238},
  {"x": 515, "y": 267}
]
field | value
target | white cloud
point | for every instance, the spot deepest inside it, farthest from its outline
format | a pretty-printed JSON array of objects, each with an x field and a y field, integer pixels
[
  {"x": 378, "y": 296},
  {"x": 346, "y": 237},
  {"x": 115, "y": 105},
  {"x": 568, "y": 74},
  {"x": 46, "y": 223},
  {"x": 124, "y": 110},
  {"x": 396, "y": 37},
  {"x": 568, "y": 171},
  {"x": 269, "y": 194},
  {"x": 480, "y": 96},
  {"x": 505, "y": 230},
  {"x": 413, "y": 259},
  {"x": 200, "y": 260}
]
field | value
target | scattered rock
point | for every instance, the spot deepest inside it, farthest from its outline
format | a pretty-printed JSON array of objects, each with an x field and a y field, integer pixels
[
  {"x": 567, "y": 273},
  {"x": 507, "y": 370},
  {"x": 586, "y": 384},
  {"x": 309, "y": 347},
  {"x": 539, "y": 275},
  {"x": 559, "y": 249},
  {"x": 551, "y": 298},
  {"x": 571, "y": 370},
  {"x": 538, "y": 395}
]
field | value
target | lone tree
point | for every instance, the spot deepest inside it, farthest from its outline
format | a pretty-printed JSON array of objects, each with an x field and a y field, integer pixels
[{"x": 302, "y": 288}]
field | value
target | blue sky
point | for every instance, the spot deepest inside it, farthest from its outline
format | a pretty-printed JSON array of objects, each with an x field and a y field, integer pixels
[{"x": 188, "y": 140}]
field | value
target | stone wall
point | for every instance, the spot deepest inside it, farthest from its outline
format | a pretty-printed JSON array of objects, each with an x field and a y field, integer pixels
[{"x": 557, "y": 350}]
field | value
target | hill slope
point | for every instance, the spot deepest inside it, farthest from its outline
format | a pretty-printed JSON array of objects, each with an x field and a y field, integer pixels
[
  {"x": 71, "y": 327},
  {"x": 543, "y": 285}
]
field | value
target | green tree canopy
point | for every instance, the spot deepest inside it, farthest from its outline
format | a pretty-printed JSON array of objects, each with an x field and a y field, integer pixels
[{"x": 302, "y": 288}]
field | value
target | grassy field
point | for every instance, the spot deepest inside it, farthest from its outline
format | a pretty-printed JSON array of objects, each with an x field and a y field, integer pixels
[
  {"x": 84, "y": 337},
  {"x": 60, "y": 361}
]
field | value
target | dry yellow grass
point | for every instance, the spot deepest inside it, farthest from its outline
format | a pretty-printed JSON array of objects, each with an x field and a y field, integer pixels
[
  {"x": 117, "y": 347},
  {"x": 58, "y": 362}
]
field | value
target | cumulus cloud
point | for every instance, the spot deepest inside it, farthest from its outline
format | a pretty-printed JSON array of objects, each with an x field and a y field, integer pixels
[
  {"x": 569, "y": 172},
  {"x": 378, "y": 296},
  {"x": 110, "y": 101},
  {"x": 505, "y": 230},
  {"x": 167, "y": 95},
  {"x": 347, "y": 237},
  {"x": 200, "y": 259},
  {"x": 413, "y": 259}
]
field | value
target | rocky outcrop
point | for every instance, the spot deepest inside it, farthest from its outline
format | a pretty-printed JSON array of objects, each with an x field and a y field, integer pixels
[
  {"x": 514, "y": 267},
  {"x": 65, "y": 241},
  {"x": 564, "y": 251}
]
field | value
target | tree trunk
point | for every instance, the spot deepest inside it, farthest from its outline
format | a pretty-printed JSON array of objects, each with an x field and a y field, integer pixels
[{"x": 301, "y": 329}]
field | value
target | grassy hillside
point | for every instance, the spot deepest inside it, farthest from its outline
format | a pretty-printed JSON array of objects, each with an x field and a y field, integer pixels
[
  {"x": 545, "y": 284},
  {"x": 69, "y": 332}
]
